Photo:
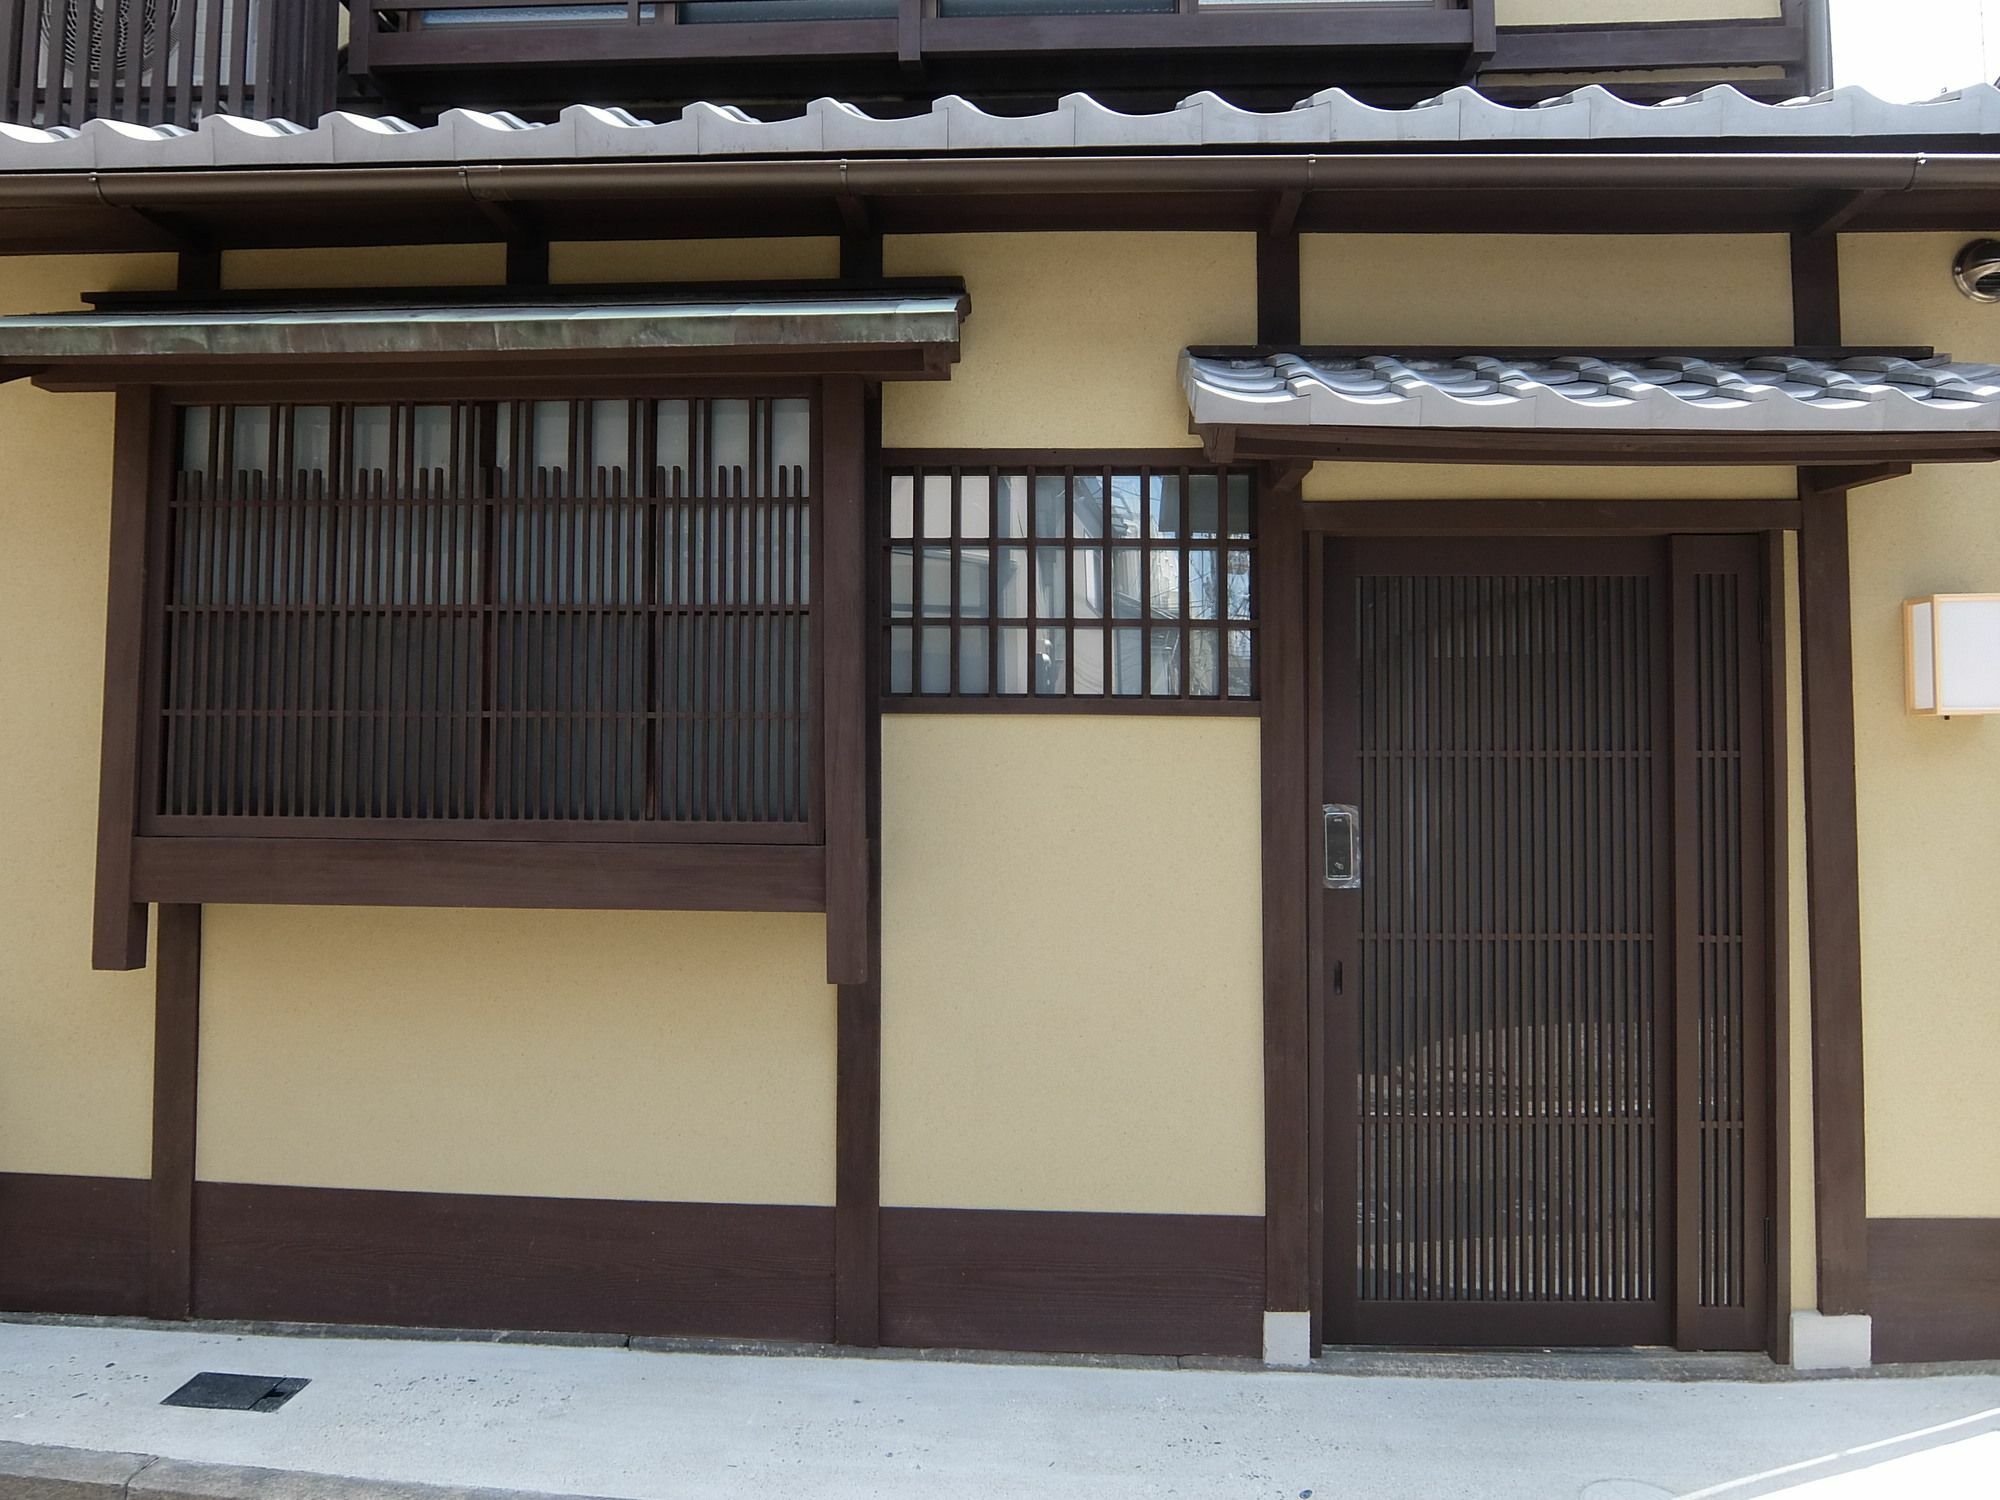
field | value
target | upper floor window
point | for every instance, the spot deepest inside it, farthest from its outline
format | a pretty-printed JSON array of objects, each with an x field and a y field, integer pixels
[
  {"x": 1123, "y": 586},
  {"x": 507, "y": 618}
]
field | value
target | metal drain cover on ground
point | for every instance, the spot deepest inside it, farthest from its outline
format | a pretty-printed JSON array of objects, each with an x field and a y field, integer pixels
[{"x": 211, "y": 1391}]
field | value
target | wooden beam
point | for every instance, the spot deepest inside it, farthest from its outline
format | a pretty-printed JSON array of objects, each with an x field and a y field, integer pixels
[
  {"x": 176, "y": 1070},
  {"x": 1816, "y": 289},
  {"x": 118, "y": 926},
  {"x": 1282, "y": 748},
  {"x": 857, "y": 1218},
  {"x": 1833, "y": 901},
  {"x": 1548, "y": 517},
  {"x": 1278, "y": 291},
  {"x": 860, "y": 242},
  {"x": 843, "y": 629}
]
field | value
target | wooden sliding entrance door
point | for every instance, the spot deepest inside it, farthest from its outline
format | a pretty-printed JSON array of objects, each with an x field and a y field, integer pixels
[{"x": 1545, "y": 1000}]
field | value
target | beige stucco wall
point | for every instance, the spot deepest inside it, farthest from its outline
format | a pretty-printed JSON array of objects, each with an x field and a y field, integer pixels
[
  {"x": 76, "y": 1047},
  {"x": 670, "y": 1056},
  {"x": 1929, "y": 791},
  {"x": 1071, "y": 1009},
  {"x": 1074, "y": 339},
  {"x": 1625, "y": 12}
]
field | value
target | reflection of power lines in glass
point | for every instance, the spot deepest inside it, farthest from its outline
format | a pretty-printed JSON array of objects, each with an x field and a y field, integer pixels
[{"x": 1072, "y": 582}]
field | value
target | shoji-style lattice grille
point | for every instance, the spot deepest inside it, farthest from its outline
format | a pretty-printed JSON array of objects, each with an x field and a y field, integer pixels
[
  {"x": 1121, "y": 586},
  {"x": 520, "y": 615},
  {"x": 1510, "y": 1122}
]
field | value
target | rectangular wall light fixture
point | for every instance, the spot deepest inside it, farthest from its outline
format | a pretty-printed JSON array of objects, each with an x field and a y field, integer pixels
[{"x": 1951, "y": 654}]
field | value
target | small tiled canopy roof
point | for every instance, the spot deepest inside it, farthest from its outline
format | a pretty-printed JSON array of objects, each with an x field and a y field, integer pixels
[{"x": 1775, "y": 407}]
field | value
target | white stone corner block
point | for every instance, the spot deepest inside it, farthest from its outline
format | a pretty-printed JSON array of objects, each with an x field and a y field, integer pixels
[
  {"x": 1823, "y": 1341},
  {"x": 1288, "y": 1339}
]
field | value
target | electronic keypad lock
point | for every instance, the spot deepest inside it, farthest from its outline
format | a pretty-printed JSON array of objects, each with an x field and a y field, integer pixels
[{"x": 1343, "y": 846}]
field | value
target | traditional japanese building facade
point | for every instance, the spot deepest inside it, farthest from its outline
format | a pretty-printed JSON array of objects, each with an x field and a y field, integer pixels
[{"x": 1096, "y": 724}]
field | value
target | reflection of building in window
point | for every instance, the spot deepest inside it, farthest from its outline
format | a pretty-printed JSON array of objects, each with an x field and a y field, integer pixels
[{"x": 1083, "y": 582}]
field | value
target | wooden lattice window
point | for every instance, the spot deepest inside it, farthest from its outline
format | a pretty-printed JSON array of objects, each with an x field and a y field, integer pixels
[
  {"x": 519, "y": 618},
  {"x": 1106, "y": 585}
]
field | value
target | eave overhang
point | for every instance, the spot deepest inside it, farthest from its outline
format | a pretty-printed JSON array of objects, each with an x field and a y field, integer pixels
[
  {"x": 912, "y": 335},
  {"x": 1608, "y": 407}
]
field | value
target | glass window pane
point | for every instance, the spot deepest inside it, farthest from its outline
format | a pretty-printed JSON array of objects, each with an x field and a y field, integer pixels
[
  {"x": 1051, "y": 660},
  {"x": 1204, "y": 518},
  {"x": 936, "y": 582},
  {"x": 1203, "y": 600},
  {"x": 900, "y": 645},
  {"x": 1087, "y": 666},
  {"x": 371, "y": 439},
  {"x": 1051, "y": 583},
  {"x": 975, "y": 505},
  {"x": 728, "y": 458},
  {"x": 1125, "y": 505},
  {"x": 1013, "y": 663},
  {"x": 1164, "y": 570},
  {"x": 1010, "y": 582},
  {"x": 1164, "y": 506},
  {"x": 972, "y": 659},
  {"x": 902, "y": 582},
  {"x": 902, "y": 505},
  {"x": 1204, "y": 663},
  {"x": 936, "y": 661},
  {"x": 1087, "y": 591},
  {"x": 430, "y": 438},
  {"x": 1010, "y": 506},
  {"x": 1051, "y": 505},
  {"x": 548, "y": 439},
  {"x": 1239, "y": 505},
  {"x": 1164, "y": 679},
  {"x": 1128, "y": 593},
  {"x": 196, "y": 425},
  {"x": 975, "y": 569},
  {"x": 610, "y": 438},
  {"x": 791, "y": 442},
  {"x": 1128, "y": 661},
  {"x": 937, "y": 505},
  {"x": 671, "y": 440},
  {"x": 1241, "y": 666},
  {"x": 312, "y": 439},
  {"x": 1239, "y": 585},
  {"x": 250, "y": 439},
  {"x": 1086, "y": 505}
]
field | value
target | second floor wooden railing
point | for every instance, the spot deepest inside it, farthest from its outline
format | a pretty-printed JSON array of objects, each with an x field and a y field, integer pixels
[{"x": 166, "y": 62}]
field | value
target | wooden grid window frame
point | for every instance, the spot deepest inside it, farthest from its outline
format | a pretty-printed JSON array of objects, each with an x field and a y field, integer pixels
[
  {"x": 533, "y": 618},
  {"x": 1087, "y": 582}
]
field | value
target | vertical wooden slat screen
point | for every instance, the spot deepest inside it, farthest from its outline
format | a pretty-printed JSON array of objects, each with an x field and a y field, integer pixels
[
  {"x": 536, "y": 617},
  {"x": 1553, "y": 1024},
  {"x": 171, "y": 62},
  {"x": 1722, "y": 1093}
]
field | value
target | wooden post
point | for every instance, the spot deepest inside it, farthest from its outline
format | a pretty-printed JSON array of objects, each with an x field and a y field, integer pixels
[{"x": 176, "y": 1071}]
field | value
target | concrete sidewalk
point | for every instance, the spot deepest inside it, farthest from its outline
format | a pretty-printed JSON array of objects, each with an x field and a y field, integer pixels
[{"x": 643, "y": 1425}]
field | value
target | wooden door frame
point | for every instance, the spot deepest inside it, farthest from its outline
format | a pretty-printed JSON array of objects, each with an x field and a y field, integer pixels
[{"x": 1769, "y": 520}]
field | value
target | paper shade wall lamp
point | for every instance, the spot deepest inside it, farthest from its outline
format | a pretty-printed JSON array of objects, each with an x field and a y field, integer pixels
[{"x": 1951, "y": 654}]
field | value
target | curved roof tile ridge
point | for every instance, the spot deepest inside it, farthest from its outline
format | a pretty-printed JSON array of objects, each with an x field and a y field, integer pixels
[{"x": 1331, "y": 117}]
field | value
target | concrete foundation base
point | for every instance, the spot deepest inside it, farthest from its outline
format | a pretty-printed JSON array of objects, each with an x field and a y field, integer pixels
[
  {"x": 1821, "y": 1341},
  {"x": 1288, "y": 1339}
]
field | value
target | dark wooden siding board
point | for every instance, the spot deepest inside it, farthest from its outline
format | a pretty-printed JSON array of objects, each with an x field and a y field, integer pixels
[
  {"x": 1833, "y": 895},
  {"x": 176, "y": 1069},
  {"x": 1083, "y": 1283},
  {"x": 118, "y": 939},
  {"x": 1282, "y": 751},
  {"x": 1934, "y": 1288},
  {"x": 445, "y": 1260},
  {"x": 72, "y": 1244}
]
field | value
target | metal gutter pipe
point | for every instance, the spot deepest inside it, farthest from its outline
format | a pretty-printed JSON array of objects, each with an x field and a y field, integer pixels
[{"x": 495, "y": 182}]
